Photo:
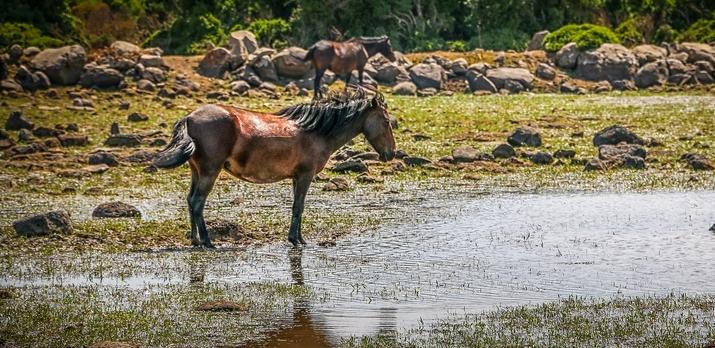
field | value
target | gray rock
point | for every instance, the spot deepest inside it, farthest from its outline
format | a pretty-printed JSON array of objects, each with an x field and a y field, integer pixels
[
  {"x": 415, "y": 161},
  {"x": 15, "y": 53},
  {"x": 100, "y": 76},
  {"x": 10, "y": 85},
  {"x": 525, "y": 136},
  {"x": 240, "y": 86},
  {"x": 153, "y": 74},
  {"x": 615, "y": 134},
  {"x": 404, "y": 88},
  {"x": 609, "y": 62},
  {"x": 651, "y": 74},
  {"x": 697, "y": 161},
  {"x": 565, "y": 153},
  {"x": 355, "y": 166},
  {"x": 545, "y": 72},
  {"x": 567, "y": 56},
  {"x": 137, "y": 117},
  {"x": 25, "y": 135},
  {"x": 466, "y": 154},
  {"x": 337, "y": 184},
  {"x": 633, "y": 162},
  {"x": 504, "y": 151},
  {"x": 31, "y": 81},
  {"x": 459, "y": 67},
  {"x": 427, "y": 75},
  {"x": 289, "y": 63},
  {"x": 703, "y": 77},
  {"x": 648, "y": 53},
  {"x": 618, "y": 152},
  {"x": 264, "y": 67},
  {"x": 568, "y": 87},
  {"x": 127, "y": 140},
  {"x": 17, "y": 121},
  {"x": 500, "y": 76},
  {"x": 537, "y": 41},
  {"x": 389, "y": 73},
  {"x": 63, "y": 66},
  {"x": 220, "y": 228},
  {"x": 43, "y": 224},
  {"x": 479, "y": 82},
  {"x": 242, "y": 43},
  {"x": 115, "y": 210},
  {"x": 698, "y": 51},
  {"x": 149, "y": 60},
  {"x": 541, "y": 157},
  {"x": 73, "y": 140},
  {"x": 123, "y": 48},
  {"x": 480, "y": 67},
  {"x": 217, "y": 62},
  {"x": 146, "y": 85},
  {"x": 595, "y": 164}
]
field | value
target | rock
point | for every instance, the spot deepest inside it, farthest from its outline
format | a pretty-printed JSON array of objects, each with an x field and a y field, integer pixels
[
  {"x": 479, "y": 82},
  {"x": 568, "y": 87},
  {"x": 415, "y": 161},
  {"x": 17, "y": 121},
  {"x": 123, "y": 48},
  {"x": 537, "y": 41},
  {"x": 427, "y": 92},
  {"x": 703, "y": 77},
  {"x": 103, "y": 157},
  {"x": 459, "y": 66},
  {"x": 62, "y": 65},
  {"x": 623, "y": 85},
  {"x": 541, "y": 157},
  {"x": 615, "y": 134},
  {"x": 240, "y": 86},
  {"x": 466, "y": 154},
  {"x": 150, "y": 60},
  {"x": 115, "y": 210},
  {"x": 264, "y": 67},
  {"x": 545, "y": 72},
  {"x": 128, "y": 140},
  {"x": 697, "y": 161},
  {"x": 242, "y": 43},
  {"x": 43, "y": 224},
  {"x": 31, "y": 51},
  {"x": 595, "y": 164},
  {"x": 223, "y": 228},
  {"x": 146, "y": 85},
  {"x": 500, "y": 76},
  {"x": 114, "y": 128},
  {"x": 153, "y": 74},
  {"x": 5, "y": 140},
  {"x": 217, "y": 62},
  {"x": 100, "y": 76},
  {"x": 15, "y": 53},
  {"x": 355, "y": 166},
  {"x": 140, "y": 156},
  {"x": 26, "y": 149},
  {"x": 10, "y": 85},
  {"x": 648, "y": 53},
  {"x": 525, "y": 136},
  {"x": 650, "y": 74},
  {"x": 503, "y": 151},
  {"x": 73, "y": 140},
  {"x": 25, "y": 135},
  {"x": 567, "y": 56},
  {"x": 427, "y": 76},
  {"x": 336, "y": 184},
  {"x": 565, "y": 153},
  {"x": 404, "y": 88},
  {"x": 45, "y": 132},
  {"x": 137, "y": 117},
  {"x": 31, "y": 81},
  {"x": 633, "y": 162},
  {"x": 609, "y": 62},
  {"x": 698, "y": 51},
  {"x": 390, "y": 73},
  {"x": 368, "y": 179},
  {"x": 96, "y": 168},
  {"x": 289, "y": 63},
  {"x": 614, "y": 153}
]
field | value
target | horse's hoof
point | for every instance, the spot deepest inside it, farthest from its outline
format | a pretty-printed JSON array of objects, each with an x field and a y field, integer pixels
[
  {"x": 302, "y": 241},
  {"x": 293, "y": 241},
  {"x": 208, "y": 245},
  {"x": 196, "y": 242}
]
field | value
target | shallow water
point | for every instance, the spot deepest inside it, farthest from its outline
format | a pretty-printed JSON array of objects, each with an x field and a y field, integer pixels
[{"x": 485, "y": 252}]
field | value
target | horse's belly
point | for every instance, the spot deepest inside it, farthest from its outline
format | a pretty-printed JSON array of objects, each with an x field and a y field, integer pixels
[{"x": 258, "y": 173}]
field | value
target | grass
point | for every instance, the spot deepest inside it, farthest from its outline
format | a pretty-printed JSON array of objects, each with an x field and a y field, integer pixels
[{"x": 671, "y": 321}]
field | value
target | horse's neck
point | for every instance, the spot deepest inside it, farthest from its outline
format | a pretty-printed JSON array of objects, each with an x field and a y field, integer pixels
[
  {"x": 346, "y": 133},
  {"x": 371, "y": 48}
]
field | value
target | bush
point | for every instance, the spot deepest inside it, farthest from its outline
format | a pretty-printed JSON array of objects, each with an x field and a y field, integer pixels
[
  {"x": 457, "y": 46},
  {"x": 189, "y": 35},
  {"x": 25, "y": 35},
  {"x": 665, "y": 33},
  {"x": 630, "y": 33},
  {"x": 502, "y": 39},
  {"x": 269, "y": 32},
  {"x": 586, "y": 36},
  {"x": 701, "y": 31}
]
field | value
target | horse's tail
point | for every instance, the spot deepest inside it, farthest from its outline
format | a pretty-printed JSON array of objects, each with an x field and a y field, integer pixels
[
  {"x": 309, "y": 54},
  {"x": 179, "y": 149}
]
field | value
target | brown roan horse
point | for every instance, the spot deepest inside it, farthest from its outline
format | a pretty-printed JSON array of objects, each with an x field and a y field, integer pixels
[
  {"x": 294, "y": 143},
  {"x": 344, "y": 57}
]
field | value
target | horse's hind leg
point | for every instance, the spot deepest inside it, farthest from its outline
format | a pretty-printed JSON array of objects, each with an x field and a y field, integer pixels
[
  {"x": 192, "y": 233},
  {"x": 300, "y": 189},
  {"x": 204, "y": 184},
  {"x": 316, "y": 83}
]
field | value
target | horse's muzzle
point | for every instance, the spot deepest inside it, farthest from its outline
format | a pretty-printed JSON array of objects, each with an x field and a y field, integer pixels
[{"x": 387, "y": 156}]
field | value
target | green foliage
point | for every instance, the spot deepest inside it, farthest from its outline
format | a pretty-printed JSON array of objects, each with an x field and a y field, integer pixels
[
  {"x": 701, "y": 31},
  {"x": 189, "y": 35},
  {"x": 270, "y": 32},
  {"x": 503, "y": 39},
  {"x": 457, "y": 46},
  {"x": 629, "y": 33},
  {"x": 586, "y": 36},
  {"x": 665, "y": 33},
  {"x": 25, "y": 35}
]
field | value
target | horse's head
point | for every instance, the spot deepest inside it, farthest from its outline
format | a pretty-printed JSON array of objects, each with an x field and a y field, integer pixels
[
  {"x": 378, "y": 130},
  {"x": 386, "y": 50}
]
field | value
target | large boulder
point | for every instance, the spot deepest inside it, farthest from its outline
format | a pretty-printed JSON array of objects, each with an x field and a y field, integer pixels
[
  {"x": 17, "y": 121},
  {"x": 63, "y": 66},
  {"x": 649, "y": 53},
  {"x": 389, "y": 73},
  {"x": 289, "y": 62},
  {"x": 123, "y": 48},
  {"x": 650, "y": 74},
  {"x": 31, "y": 81},
  {"x": 479, "y": 82},
  {"x": 43, "y": 224},
  {"x": 525, "y": 136},
  {"x": 609, "y": 62},
  {"x": 264, "y": 67},
  {"x": 242, "y": 43},
  {"x": 615, "y": 134},
  {"x": 537, "y": 41},
  {"x": 698, "y": 51},
  {"x": 567, "y": 56},
  {"x": 427, "y": 75},
  {"x": 545, "y": 72},
  {"x": 100, "y": 76},
  {"x": 404, "y": 88},
  {"x": 501, "y": 77},
  {"x": 217, "y": 62}
]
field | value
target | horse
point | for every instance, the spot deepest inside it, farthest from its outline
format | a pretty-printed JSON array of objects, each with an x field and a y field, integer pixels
[
  {"x": 294, "y": 143},
  {"x": 344, "y": 57}
]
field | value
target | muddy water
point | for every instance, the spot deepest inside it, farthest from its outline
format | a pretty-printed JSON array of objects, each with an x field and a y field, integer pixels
[{"x": 489, "y": 251}]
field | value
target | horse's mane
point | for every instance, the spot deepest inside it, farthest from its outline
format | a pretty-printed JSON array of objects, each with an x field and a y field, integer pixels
[
  {"x": 370, "y": 39},
  {"x": 330, "y": 113}
]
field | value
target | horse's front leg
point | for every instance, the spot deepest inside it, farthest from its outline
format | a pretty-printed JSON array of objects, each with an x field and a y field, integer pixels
[
  {"x": 360, "y": 71},
  {"x": 300, "y": 189}
]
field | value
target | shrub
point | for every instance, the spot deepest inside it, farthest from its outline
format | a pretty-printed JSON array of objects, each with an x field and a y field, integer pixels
[
  {"x": 189, "y": 35},
  {"x": 25, "y": 35},
  {"x": 269, "y": 32},
  {"x": 665, "y": 33},
  {"x": 502, "y": 39},
  {"x": 457, "y": 46},
  {"x": 630, "y": 33},
  {"x": 586, "y": 36},
  {"x": 701, "y": 31}
]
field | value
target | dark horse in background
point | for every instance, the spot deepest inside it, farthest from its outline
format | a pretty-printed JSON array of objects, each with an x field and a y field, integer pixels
[
  {"x": 344, "y": 57},
  {"x": 294, "y": 143}
]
